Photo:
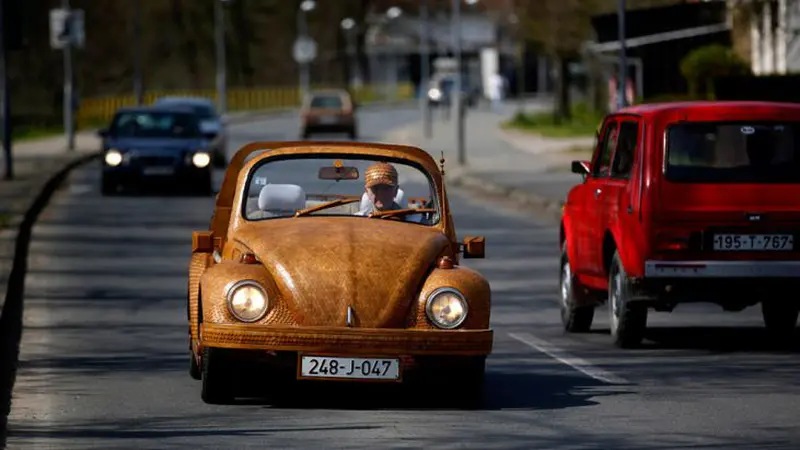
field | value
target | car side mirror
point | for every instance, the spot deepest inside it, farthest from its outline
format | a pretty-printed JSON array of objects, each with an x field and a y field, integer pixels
[
  {"x": 474, "y": 247},
  {"x": 582, "y": 168},
  {"x": 202, "y": 241}
]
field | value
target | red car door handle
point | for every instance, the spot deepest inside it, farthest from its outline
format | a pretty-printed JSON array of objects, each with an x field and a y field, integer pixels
[{"x": 597, "y": 193}]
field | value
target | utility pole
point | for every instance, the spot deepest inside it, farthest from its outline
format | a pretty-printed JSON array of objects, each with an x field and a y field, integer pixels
[
  {"x": 457, "y": 89},
  {"x": 623, "y": 63},
  {"x": 425, "y": 69},
  {"x": 6, "y": 91},
  {"x": 138, "y": 89},
  {"x": 219, "y": 40},
  {"x": 69, "y": 122}
]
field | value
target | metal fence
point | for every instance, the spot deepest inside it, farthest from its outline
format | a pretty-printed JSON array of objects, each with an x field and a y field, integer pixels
[{"x": 101, "y": 109}]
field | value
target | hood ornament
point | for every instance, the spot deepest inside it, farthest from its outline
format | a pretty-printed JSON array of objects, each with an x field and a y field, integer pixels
[{"x": 350, "y": 316}]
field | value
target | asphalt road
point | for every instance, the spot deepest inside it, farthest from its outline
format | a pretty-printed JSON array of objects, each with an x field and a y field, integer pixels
[{"x": 104, "y": 351}]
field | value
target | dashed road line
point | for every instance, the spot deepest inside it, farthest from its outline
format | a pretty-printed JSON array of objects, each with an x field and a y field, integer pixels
[{"x": 565, "y": 358}]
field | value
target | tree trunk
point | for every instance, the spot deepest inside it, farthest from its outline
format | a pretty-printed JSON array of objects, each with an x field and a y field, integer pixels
[
  {"x": 521, "y": 59},
  {"x": 561, "y": 112}
]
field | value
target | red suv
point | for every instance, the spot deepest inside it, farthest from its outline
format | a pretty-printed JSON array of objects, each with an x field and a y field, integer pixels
[{"x": 685, "y": 202}]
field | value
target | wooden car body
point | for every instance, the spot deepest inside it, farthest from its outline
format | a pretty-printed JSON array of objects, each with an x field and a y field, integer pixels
[
  {"x": 337, "y": 286},
  {"x": 667, "y": 184}
]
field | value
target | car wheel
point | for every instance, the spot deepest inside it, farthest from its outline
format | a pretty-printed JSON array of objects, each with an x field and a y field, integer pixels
[
  {"x": 194, "y": 368},
  {"x": 217, "y": 387},
  {"x": 627, "y": 320},
  {"x": 575, "y": 318},
  {"x": 780, "y": 317},
  {"x": 108, "y": 186},
  {"x": 305, "y": 134},
  {"x": 219, "y": 159},
  {"x": 353, "y": 135}
]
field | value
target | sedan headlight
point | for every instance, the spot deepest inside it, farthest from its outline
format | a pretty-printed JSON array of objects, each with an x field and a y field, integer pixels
[
  {"x": 446, "y": 308},
  {"x": 201, "y": 159},
  {"x": 247, "y": 301},
  {"x": 113, "y": 157},
  {"x": 434, "y": 94}
]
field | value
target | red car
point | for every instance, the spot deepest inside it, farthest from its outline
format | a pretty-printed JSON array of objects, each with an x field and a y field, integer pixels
[{"x": 685, "y": 202}]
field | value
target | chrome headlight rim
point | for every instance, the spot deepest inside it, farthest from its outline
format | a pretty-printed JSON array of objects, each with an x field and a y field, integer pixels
[
  {"x": 240, "y": 284},
  {"x": 429, "y": 305}
]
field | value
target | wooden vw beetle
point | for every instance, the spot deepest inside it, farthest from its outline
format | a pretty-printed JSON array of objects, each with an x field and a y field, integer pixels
[{"x": 336, "y": 261}]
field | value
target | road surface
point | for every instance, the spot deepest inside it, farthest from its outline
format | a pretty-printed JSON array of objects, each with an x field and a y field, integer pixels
[{"x": 104, "y": 353}]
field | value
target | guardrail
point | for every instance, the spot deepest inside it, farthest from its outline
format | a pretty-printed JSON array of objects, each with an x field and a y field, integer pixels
[{"x": 102, "y": 109}]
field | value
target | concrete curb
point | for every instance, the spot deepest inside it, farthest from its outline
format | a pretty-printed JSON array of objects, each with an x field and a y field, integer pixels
[
  {"x": 11, "y": 318},
  {"x": 546, "y": 208}
]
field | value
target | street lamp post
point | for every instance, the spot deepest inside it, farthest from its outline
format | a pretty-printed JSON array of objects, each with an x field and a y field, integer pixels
[
  {"x": 69, "y": 122},
  {"x": 302, "y": 30},
  {"x": 623, "y": 63},
  {"x": 425, "y": 70},
  {"x": 457, "y": 88},
  {"x": 350, "y": 30},
  {"x": 219, "y": 38}
]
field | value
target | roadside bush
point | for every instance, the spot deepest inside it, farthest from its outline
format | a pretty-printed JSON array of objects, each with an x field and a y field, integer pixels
[{"x": 703, "y": 64}]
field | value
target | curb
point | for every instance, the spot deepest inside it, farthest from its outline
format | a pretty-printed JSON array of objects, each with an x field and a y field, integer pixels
[
  {"x": 11, "y": 317},
  {"x": 546, "y": 208}
]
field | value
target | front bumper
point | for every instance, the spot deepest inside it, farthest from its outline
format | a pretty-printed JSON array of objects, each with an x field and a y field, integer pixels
[
  {"x": 139, "y": 174},
  {"x": 722, "y": 269},
  {"x": 348, "y": 341}
]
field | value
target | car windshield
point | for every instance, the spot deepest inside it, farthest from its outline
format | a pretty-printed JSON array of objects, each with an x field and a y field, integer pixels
[
  {"x": 154, "y": 124},
  {"x": 327, "y": 101},
  {"x": 740, "y": 152},
  {"x": 340, "y": 186}
]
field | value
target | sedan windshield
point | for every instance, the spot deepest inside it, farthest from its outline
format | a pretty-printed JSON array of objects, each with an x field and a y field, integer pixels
[
  {"x": 155, "y": 124},
  {"x": 752, "y": 152},
  {"x": 340, "y": 186}
]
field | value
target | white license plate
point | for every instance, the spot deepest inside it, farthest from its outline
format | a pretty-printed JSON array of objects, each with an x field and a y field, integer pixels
[
  {"x": 158, "y": 170},
  {"x": 327, "y": 120},
  {"x": 350, "y": 368},
  {"x": 754, "y": 242}
]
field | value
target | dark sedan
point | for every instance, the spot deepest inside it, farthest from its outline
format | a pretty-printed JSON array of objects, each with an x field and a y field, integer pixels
[{"x": 146, "y": 146}]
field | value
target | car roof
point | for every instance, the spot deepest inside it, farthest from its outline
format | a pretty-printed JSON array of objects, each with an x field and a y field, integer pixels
[
  {"x": 152, "y": 108},
  {"x": 329, "y": 93},
  {"x": 186, "y": 100},
  {"x": 710, "y": 106}
]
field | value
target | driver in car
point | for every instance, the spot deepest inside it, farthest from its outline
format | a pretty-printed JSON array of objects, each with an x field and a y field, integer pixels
[{"x": 380, "y": 183}]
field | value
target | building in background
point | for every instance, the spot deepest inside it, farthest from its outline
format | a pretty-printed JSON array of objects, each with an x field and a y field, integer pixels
[{"x": 768, "y": 34}]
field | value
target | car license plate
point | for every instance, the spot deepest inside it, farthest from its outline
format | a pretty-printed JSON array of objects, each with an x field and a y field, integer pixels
[
  {"x": 350, "y": 368},
  {"x": 754, "y": 242},
  {"x": 158, "y": 171},
  {"x": 327, "y": 120}
]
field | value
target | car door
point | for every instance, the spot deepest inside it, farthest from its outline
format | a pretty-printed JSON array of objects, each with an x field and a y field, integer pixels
[
  {"x": 615, "y": 197},
  {"x": 596, "y": 184}
]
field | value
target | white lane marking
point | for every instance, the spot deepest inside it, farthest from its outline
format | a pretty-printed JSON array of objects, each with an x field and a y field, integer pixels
[{"x": 565, "y": 358}]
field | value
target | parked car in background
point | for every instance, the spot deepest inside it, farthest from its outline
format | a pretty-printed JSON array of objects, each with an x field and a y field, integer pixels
[
  {"x": 155, "y": 145},
  {"x": 685, "y": 202},
  {"x": 440, "y": 92},
  {"x": 211, "y": 124},
  {"x": 328, "y": 111}
]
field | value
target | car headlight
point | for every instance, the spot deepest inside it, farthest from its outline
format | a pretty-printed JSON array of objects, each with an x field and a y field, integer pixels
[
  {"x": 201, "y": 159},
  {"x": 446, "y": 308},
  {"x": 113, "y": 157},
  {"x": 435, "y": 94},
  {"x": 247, "y": 301}
]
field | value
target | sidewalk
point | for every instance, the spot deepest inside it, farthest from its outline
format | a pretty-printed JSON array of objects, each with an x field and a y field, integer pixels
[{"x": 526, "y": 168}]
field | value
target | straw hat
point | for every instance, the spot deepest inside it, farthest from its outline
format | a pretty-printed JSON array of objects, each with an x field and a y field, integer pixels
[{"x": 380, "y": 173}]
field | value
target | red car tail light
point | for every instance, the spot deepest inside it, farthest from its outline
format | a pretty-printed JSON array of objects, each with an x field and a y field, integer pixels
[{"x": 673, "y": 240}]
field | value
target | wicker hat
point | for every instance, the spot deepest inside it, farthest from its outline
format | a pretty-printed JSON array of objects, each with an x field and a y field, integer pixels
[{"x": 380, "y": 173}]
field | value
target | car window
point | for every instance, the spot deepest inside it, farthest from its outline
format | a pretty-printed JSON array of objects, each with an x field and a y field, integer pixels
[
  {"x": 278, "y": 189},
  {"x": 733, "y": 152},
  {"x": 625, "y": 153},
  {"x": 154, "y": 124},
  {"x": 601, "y": 166},
  {"x": 327, "y": 101}
]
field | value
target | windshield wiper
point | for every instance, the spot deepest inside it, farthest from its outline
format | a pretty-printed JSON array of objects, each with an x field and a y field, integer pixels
[
  {"x": 331, "y": 204},
  {"x": 399, "y": 212}
]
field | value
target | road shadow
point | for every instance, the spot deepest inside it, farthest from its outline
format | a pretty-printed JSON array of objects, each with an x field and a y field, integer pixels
[{"x": 718, "y": 339}]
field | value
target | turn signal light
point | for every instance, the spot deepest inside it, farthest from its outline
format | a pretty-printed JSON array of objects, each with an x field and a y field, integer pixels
[
  {"x": 248, "y": 258},
  {"x": 673, "y": 240}
]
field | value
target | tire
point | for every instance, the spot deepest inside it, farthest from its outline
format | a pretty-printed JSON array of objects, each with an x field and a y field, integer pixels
[
  {"x": 627, "y": 320},
  {"x": 108, "y": 186},
  {"x": 194, "y": 368},
  {"x": 780, "y": 317},
  {"x": 352, "y": 134},
  {"x": 205, "y": 187},
  {"x": 218, "y": 159},
  {"x": 575, "y": 318},
  {"x": 305, "y": 134},
  {"x": 217, "y": 387}
]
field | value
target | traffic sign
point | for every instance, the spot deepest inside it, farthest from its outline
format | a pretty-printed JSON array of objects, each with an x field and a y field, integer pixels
[
  {"x": 66, "y": 26},
  {"x": 304, "y": 50}
]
